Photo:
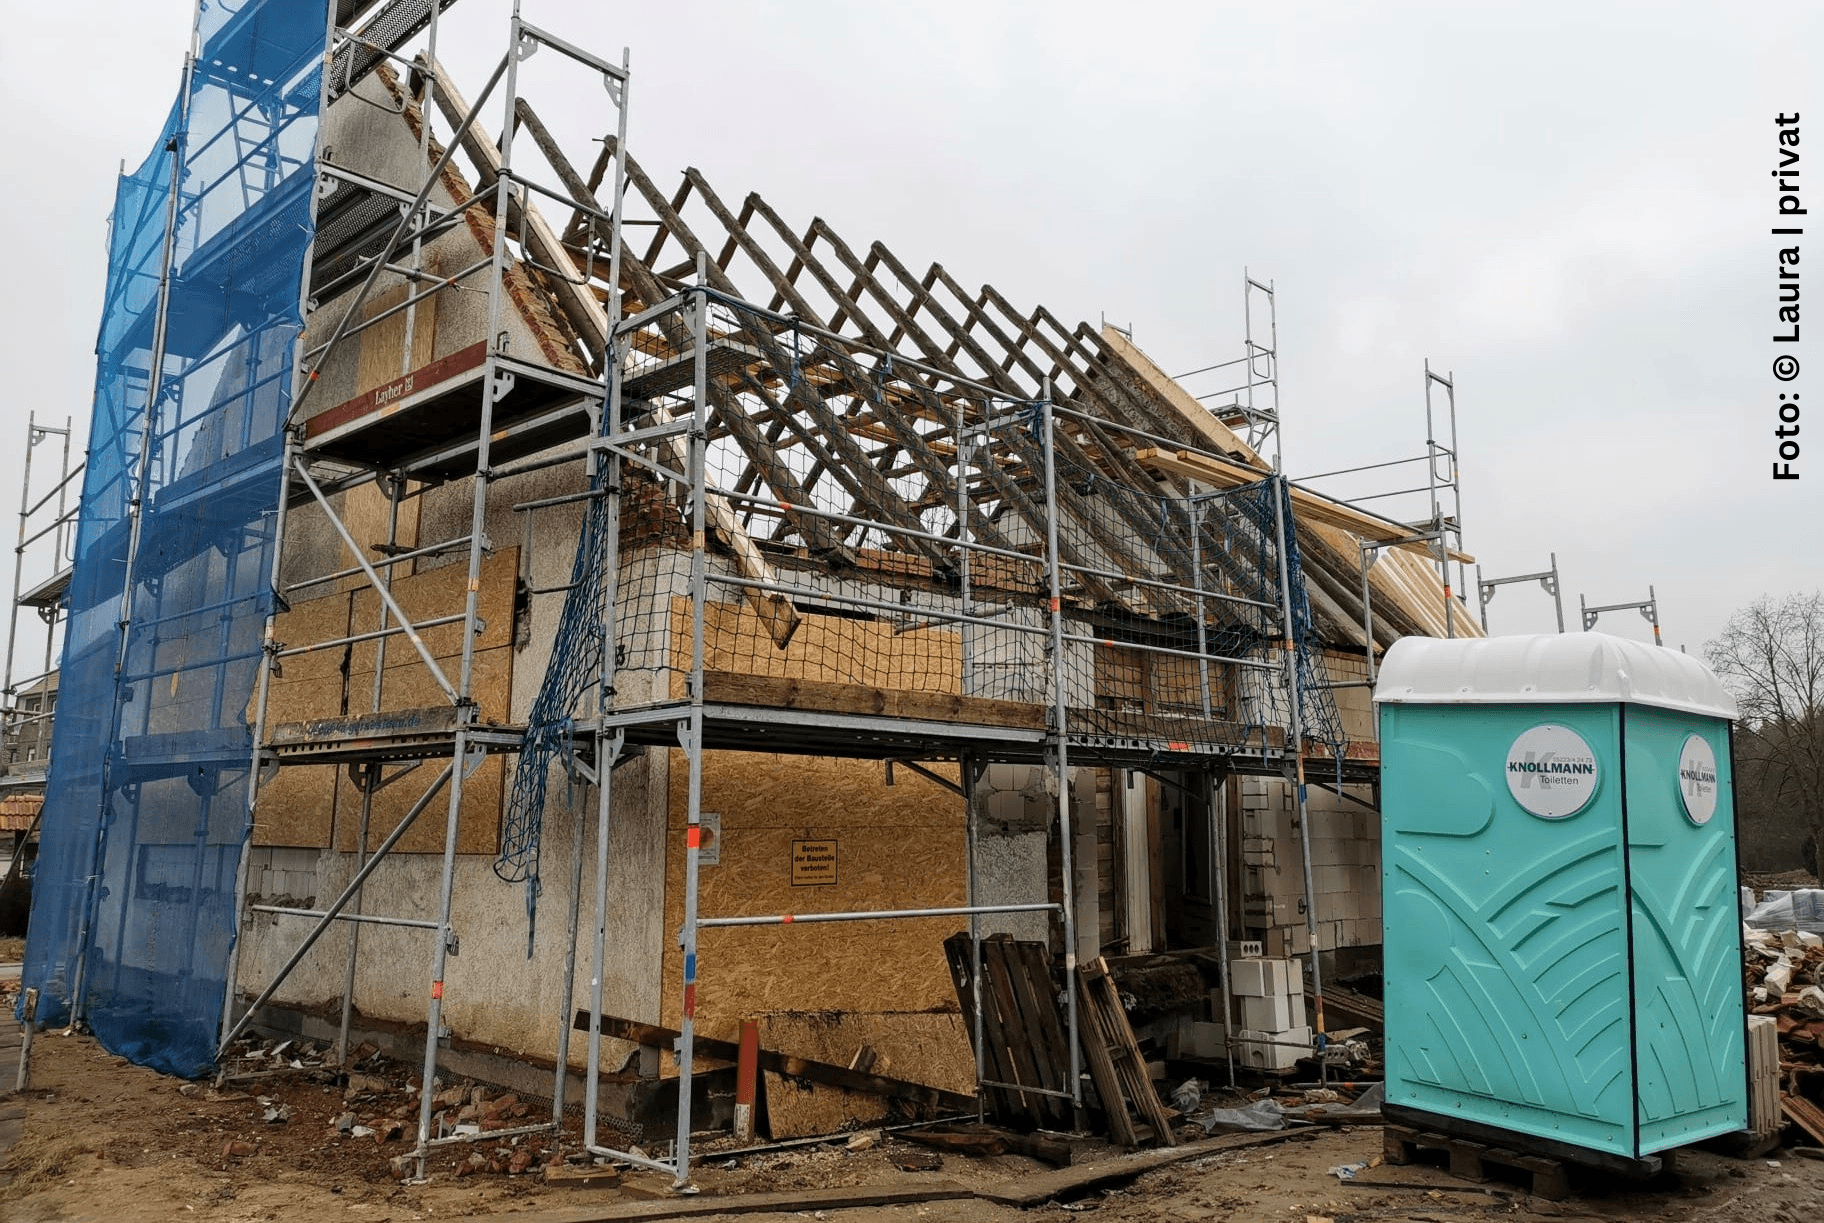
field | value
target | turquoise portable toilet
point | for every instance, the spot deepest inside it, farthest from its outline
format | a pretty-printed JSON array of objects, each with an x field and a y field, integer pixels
[{"x": 1562, "y": 939}]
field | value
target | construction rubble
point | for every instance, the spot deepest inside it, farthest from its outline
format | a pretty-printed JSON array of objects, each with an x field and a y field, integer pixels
[{"x": 1784, "y": 977}]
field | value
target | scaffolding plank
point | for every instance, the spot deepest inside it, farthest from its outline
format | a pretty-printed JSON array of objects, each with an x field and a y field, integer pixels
[
  {"x": 397, "y": 734},
  {"x": 48, "y": 593},
  {"x": 721, "y": 356},
  {"x": 440, "y": 403}
]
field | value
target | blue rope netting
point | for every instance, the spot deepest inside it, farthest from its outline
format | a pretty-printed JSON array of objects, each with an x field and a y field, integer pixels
[
  {"x": 575, "y": 668},
  {"x": 1317, "y": 705}
]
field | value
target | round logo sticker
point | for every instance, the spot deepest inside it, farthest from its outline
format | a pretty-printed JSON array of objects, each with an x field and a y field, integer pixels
[
  {"x": 1697, "y": 780},
  {"x": 1551, "y": 771}
]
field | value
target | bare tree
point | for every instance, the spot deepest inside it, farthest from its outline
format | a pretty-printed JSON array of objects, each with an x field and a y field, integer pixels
[{"x": 1771, "y": 657}]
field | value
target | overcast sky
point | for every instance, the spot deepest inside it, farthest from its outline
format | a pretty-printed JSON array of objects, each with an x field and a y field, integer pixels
[{"x": 1565, "y": 205}]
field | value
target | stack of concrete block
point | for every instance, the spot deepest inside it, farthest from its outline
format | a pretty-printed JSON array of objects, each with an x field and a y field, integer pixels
[
  {"x": 277, "y": 872},
  {"x": 1271, "y": 993},
  {"x": 1345, "y": 869}
]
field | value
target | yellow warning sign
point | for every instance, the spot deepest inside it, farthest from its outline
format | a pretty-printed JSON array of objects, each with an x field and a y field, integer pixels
[{"x": 813, "y": 863}]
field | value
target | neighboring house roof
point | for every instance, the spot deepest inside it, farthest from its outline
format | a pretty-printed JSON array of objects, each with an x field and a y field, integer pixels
[{"x": 17, "y": 811}]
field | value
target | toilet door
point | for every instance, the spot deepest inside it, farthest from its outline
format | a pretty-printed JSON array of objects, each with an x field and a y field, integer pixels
[{"x": 1689, "y": 1021}]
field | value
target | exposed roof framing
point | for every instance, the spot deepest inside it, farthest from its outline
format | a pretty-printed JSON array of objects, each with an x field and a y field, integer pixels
[{"x": 857, "y": 371}]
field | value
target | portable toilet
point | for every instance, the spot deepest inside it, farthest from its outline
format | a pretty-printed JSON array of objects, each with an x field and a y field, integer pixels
[{"x": 1562, "y": 940}]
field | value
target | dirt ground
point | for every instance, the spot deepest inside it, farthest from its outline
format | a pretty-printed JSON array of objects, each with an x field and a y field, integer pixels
[{"x": 104, "y": 1140}]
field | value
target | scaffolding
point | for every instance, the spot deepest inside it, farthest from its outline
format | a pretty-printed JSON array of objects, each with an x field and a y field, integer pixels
[
  {"x": 1441, "y": 532},
  {"x": 42, "y": 561},
  {"x": 1251, "y": 406},
  {"x": 1487, "y": 588},
  {"x": 1647, "y": 607},
  {"x": 957, "y": 492},
  {"x": 470, "y": 416},
  {"x": 989, "y": 548},
  {"x": 1023, "y": 567}
]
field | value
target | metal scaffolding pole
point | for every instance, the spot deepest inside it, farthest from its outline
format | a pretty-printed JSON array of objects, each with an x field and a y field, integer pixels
[
  {"x": 493, "y": 386},
  {"x": 1647, "y": 607},
  {"x": 968, "y": 771},
  {"x": 1061, "y": 729},
  {"x": 1487, "y": 588},
  {"x": 136, "y": 507},
  {"x": 1295, "y": 743},
  {"x": 607, "y": 747},
  {"x": 690, "y": 732},
  {"x": 1441, "y": 526},
  {"x": 369, "y": 776},
  {"x": 1219, "y": 873}
]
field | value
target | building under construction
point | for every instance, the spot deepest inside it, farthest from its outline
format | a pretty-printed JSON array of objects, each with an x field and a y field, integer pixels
[{"x": 522, "y": 601}]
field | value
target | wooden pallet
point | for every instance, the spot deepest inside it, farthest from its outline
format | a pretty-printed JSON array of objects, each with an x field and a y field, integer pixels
[
  {"x": 1546, "y": 1177},
  {"x": 1135, "y": 1115},
  {"x": 1023, "y": 1035}
]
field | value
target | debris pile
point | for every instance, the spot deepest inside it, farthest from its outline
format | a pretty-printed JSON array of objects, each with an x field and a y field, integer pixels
[
  {"x": 253, "y": 1057},
  {"x": 379, "y": 1105},
  {"x": 1784, "y": 978}
]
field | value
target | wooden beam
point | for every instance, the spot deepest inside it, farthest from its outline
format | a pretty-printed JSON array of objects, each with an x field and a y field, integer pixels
[
  {"x": 586, "y": 314},
  {"x": 828, "y": 1074},
  {"x": 1218, "y": 435},
  {"x": 854, "y": 470},
  {"x": 774, "y": 692},
  {"x": 1219, "y": 473}
]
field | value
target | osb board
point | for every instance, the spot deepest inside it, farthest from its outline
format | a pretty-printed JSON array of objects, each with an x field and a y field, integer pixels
[
  {"x": 310, "y": 685},
  {"x": 898, "y": 847},
  {"x": 928, "y": 1048},
  {"x": 366, "y": 510},
  {"x": 409, "y": 684},
  {"x": 831, "y": 649},
  {"x": 297, "y": 808},
  {"x": 1147, "y": 679},
  {"x": 382, "y": 344},
  {"x": 477, "y": 829},
  {"x": 1120, "y": 674},
  {"x": 442, "y": 592}
]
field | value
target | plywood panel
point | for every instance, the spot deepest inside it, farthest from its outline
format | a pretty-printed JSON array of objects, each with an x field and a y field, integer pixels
[
  {"x": 898, "y": 847},
  {"x": 309, "y": 685},
  {"x": 409, "y": 683},
  {"x": 442, "y": 592},
  {"x": 928, "y": 1048},
  {"x": 825, "y": 648},
  {"x": 382, "y": 345},
  {"x": 477, "y": 829},
  {"x": 297, "y": 807},
  {"x": 1120, "y": 677},
  {"x": 365, "y": 511}
]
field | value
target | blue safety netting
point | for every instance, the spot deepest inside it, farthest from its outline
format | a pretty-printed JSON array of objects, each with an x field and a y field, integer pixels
[{"x": 146, "y": 809}]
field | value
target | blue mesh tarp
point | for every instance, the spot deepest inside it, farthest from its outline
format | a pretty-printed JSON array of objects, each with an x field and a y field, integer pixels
[{"x": 146, "y": 809}]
